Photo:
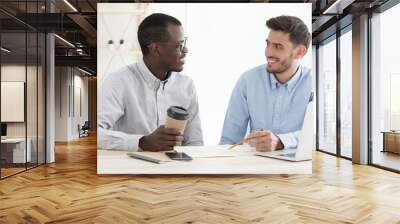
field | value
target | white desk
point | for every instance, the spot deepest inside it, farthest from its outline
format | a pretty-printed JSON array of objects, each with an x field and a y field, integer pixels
[
  {"x": 18, "y": 150},
  {"x": 118, "y": 162}
]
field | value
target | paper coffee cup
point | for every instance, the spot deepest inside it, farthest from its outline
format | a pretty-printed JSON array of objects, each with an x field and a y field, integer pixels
[{"x": 176, "y": 118}]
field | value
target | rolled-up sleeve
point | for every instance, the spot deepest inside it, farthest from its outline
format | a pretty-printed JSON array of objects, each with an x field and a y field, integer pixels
[{"x": 289, "y": 140}]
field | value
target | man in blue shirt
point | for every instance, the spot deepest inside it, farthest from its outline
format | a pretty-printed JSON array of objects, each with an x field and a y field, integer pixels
[{"x": 271, "y": 99}]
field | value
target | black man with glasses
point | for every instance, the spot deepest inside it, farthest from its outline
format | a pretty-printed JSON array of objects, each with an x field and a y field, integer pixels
[{"x": 133, "y": 102}]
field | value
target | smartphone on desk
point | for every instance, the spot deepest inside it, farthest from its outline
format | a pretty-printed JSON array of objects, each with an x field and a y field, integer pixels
[{"x": 179, "y": 156}]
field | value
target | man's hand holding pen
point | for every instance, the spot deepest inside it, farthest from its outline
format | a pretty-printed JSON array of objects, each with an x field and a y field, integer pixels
[{"x": 264, "y": 141}]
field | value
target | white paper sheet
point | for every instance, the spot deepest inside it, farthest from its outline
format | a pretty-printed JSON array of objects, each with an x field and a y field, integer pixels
[{"x": 216, "y": 151}]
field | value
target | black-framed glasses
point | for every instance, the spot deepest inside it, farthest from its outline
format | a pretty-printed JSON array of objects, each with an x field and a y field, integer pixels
[{"x": 181, "y": 46}]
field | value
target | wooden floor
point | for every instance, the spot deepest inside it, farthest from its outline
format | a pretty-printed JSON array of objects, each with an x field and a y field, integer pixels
[
  {"x": 8, "y": 171},
  {"x": 5, "y": 172},
  {"x": 70, "y": 191},
  {"x": 387, "y": 159}
]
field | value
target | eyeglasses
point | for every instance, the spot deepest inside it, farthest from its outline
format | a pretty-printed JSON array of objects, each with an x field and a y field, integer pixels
[{"x": 181, "y": 46}]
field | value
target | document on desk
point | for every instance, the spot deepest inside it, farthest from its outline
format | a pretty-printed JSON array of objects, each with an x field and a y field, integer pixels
[{"x": 216, "y": 151}]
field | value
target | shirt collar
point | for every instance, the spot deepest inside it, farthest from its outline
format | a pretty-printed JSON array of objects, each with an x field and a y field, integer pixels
[
  {"x": 289, "y": 84},
  {"x": 272, "y": 79},
  {"x": 148, "y": 76}
]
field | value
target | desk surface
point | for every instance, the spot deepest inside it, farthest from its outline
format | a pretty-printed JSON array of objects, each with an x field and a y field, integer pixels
[
  {"x": 390, "y": 132},
  {"x": 13, "y": 140},
  {"x": 118, "y": 162}
]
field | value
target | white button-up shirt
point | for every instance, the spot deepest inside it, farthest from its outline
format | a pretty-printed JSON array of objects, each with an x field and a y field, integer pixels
[{"x": 133, "y": 103}]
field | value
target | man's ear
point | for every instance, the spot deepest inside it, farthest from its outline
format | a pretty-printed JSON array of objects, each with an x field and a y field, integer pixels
[
  {"x": 299, "y": 51},
  {"x": 154, "y": 49}
]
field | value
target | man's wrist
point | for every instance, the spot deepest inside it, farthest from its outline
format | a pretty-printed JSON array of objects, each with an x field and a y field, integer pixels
[
  {"x": 280, "y": 145},
  {"x": 142, "y": 143}
]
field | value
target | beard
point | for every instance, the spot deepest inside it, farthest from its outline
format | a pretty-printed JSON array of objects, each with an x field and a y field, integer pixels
[{"x": 281, "y": 66}]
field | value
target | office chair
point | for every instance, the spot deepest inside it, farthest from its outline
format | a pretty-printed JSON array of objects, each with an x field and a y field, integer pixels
[{"x": 84, "y": 130}]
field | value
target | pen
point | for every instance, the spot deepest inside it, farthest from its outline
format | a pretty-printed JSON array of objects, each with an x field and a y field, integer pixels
[{"x": 243, "y": 141}]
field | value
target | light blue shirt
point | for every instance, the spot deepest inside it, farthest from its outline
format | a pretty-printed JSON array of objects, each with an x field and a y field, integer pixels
[{"x": 259, "y": 101}]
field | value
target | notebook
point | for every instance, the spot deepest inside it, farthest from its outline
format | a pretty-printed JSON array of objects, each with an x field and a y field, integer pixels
[{"x": 155, "y": 157}]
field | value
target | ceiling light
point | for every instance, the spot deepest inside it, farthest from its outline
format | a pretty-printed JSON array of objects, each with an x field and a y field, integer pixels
[
  {"x": 84, "y": 71},
  {"x": 5, "y": 50},
  {"x": 338, "y": 6},
  {"x": 65, "y": 41},
  {"x": 70, "y": 5}
]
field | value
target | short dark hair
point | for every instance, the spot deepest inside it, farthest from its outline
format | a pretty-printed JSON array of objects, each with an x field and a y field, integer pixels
[
  {"x": 295, "y": 27},
  {"x": 154, "y": 29}
]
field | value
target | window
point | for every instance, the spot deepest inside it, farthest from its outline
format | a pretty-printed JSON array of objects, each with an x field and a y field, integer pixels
[
  {"x": 22, "y": 67},
  {"x": 327, "y": 96},
  {"x": 346, "y": 94},
  {"x": 385, "y": 89}
]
